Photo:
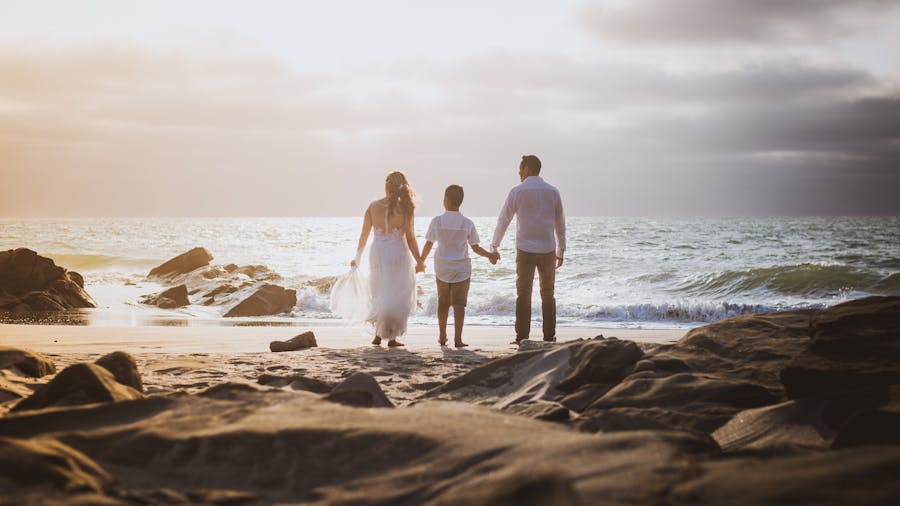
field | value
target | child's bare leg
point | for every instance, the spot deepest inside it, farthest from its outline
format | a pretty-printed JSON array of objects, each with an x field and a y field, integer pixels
[
  {"x": 459, "y": 315},
  {"x": 443, "y": 312}
]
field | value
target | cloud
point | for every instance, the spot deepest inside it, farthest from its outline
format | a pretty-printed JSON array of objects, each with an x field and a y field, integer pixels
[
  {"x": 118, "y": 130},
  {"x": 733, "y": 21}
]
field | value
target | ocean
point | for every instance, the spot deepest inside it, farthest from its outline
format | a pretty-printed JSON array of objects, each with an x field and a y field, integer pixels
[{"x": 619, "y": 272}]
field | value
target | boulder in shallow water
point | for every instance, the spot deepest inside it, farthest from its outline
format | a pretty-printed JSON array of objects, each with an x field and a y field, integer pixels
[
  {"x": 31, "y": 282},
  {"x": 267, "y": 300},
  {"x": 298, "y": 342},
  {"x": 174, "y": 297},
  {"x": 79, "y": 384},
  {"x": 183, "y": 263},
  {"x": 123, "y": 367},
  {"x": 27, "y": 363}
]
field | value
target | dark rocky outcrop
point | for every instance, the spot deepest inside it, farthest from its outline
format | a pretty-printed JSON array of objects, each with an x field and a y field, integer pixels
[
  {"x": 298, "y": 342},
  {"x": 79, "y": 384},
  {"x": 267, "y": 300},
  {"x": 359, "y": 390},
  {"x": 183, "y": 263},
  {"x": 26, "y": 363},
  {"x": 30, "y": 282},
  {"x": 123, "y": 368},
  {"x": 172, "y": 298},
  {"x": 296, "y": 382},
  {"x": 853, "y": 345},
  {"x": 39, "y": 470}
]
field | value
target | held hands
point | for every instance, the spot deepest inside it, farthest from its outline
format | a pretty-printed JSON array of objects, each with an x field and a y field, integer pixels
[
  {"x": 420, "y": 266},
  {"x": 494, "y": 258}
]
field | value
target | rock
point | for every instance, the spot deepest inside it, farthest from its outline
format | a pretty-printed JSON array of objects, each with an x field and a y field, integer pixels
[
  {"x": 430, "y": 453},
  {"x": 40, "y": 464},
  {"x": 79, "y": 384},
  {"x": 26, "y": 363},
  {"x": 541, "y": 410},
  {"x": 520, "y": 489},
  {"x": 359, "y": 390},
  {"x": 526, "y": 377},
  {"x": 30, "y": 282},
  {"x": 42, "y": 301},
  {"x": 604, "y": 361},
  {"x": 183, "y": 263},
  {"x": 873, "y": 420},
  {"x": 298, "y": 342},
  {"x": 852, "y": 476},
  {"x": 323, "y": 285},
  {"x": 77, "y": 278},
  {"x": 174, "y": 297},
  {"x": 267, "y": 300},
  {"x": 687, "y": 401},
  {"x": 231, "y": 268},
  {"x": 297, "y": 382},
  {"x": 854, "y": 345},
  {"x": 123, "y": 368},
  {"x": 794, "y": 424}
]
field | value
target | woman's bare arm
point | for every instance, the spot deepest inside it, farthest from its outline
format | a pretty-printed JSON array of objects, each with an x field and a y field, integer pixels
[
  {"x": 413, "y": 244},
  {"x": 363, "y": 235}
]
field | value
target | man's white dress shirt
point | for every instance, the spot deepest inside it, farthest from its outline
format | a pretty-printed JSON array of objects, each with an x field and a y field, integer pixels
[{"x": 540, "y": 222}]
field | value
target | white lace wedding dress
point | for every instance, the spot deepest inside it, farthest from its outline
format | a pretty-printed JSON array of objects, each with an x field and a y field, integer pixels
[
  {"x": 393, "y": 283},
  {"x": 389, "y": 297}
]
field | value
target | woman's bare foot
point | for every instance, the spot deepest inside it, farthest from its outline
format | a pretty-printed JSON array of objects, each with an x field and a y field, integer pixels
[
  {"x": 376, "y": 341},
  {"x": 442, "y": 340},
  {"x": 393, "y": 343},
  {"x": 460, "y": 344}
]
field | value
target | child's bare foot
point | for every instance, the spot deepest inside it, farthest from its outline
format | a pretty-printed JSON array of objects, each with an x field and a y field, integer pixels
[
  {"x": 376, "y": 341},
  {"x": 393, "y": 343},
  {"x": 460, "y": 344}
]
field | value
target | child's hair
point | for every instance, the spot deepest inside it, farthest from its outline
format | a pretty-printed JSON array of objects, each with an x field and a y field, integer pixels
[
  {"x": 454, "y": 194},
  {"x": 399, "y": 194}
]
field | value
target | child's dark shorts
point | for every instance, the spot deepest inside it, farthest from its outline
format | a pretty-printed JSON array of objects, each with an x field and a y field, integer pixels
[{"x": 457, "y": 294}]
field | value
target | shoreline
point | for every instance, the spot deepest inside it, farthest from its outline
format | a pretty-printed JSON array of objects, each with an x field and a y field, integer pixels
[{"x": 250, "y": 339}]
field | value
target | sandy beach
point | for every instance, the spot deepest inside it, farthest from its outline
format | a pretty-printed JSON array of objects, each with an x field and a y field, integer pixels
[{"x": 192, "y": 359}]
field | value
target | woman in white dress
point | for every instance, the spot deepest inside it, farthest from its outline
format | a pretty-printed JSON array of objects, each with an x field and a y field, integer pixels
[{"x": 394, "y": 259}]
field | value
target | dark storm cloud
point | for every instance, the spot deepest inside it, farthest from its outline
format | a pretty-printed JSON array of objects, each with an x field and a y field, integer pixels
[{"x": 740, "y": 21}]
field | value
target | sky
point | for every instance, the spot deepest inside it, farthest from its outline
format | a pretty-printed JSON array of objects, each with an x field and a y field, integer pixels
[{"x": 301, "y": 108}]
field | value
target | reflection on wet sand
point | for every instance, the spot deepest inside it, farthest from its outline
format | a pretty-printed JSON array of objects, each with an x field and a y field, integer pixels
[{"x": 106, "y": 318}]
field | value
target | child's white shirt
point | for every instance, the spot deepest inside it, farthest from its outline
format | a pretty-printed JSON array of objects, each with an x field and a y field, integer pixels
[{"x": 453, "y": 233}]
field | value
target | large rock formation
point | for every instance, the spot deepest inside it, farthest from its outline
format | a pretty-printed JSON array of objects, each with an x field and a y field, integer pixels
[
  {"x": 267, "y": 300},
  {"x": 183, "y": 263},
  {"x": 30, "y": 282}
]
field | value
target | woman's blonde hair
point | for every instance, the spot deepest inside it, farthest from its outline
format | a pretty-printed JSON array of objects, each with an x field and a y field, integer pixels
[{"x": 399, "y": 193}]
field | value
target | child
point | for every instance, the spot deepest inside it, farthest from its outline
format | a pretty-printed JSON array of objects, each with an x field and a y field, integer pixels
[{"x": 452, "y": 265}]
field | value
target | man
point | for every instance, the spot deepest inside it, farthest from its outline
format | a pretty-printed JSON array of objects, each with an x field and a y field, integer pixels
[{"x": 540, "y": 243}]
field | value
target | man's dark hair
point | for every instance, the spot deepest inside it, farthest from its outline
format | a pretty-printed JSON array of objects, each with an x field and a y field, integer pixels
[
  {"x": 454, "y": 194},
  {"x": 533, "y": 163}
]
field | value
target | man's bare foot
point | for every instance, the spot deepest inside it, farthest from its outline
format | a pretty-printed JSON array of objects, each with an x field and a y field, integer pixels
[
  {"x": 376, "y": 341},
  {"x": 460, "y": 344},
  {"x": 442, "y": 340},
  {"x": 393, "y": 343}
]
